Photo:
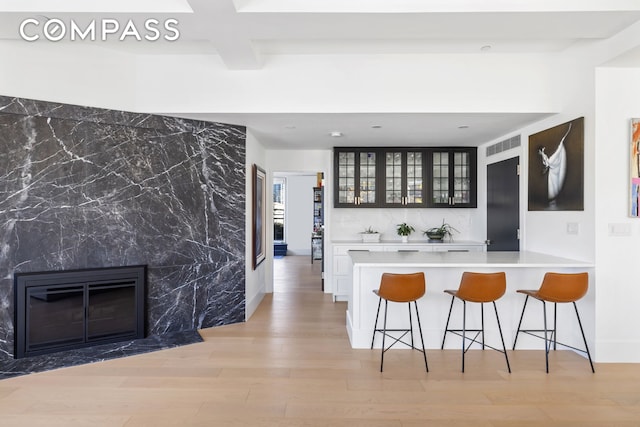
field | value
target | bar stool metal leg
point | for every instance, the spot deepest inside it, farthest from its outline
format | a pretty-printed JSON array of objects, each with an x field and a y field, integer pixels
[
  {"x": 504, "y": 349},
  {"x": 464, "y": 330},
  {"x": 411, "y": 324},
  {"x": 446, "y": 328},
  {"x": 424, "y": 350},
  {"x": 555, "y": 326},
  {"x": 546, "y": 342},
  {"x": 515, "y": 340},
  {"x": 384, "y": 334},
  {"x": 584, "y": 338},
  {"x": 482, "y": 322},
  {"x": 375, "y": 325}
]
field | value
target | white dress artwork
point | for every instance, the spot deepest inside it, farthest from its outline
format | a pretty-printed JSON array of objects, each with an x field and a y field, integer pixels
[{"x": 555, "y": 166}]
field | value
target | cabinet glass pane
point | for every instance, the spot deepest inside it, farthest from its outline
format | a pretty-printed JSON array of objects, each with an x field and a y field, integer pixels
[
  {"x": 393, "y": 181},
  {"x": 462, "y": 179},
  {"x": 367, "y": 177},
  {"x": 346, "y": 177},
  {"x": 440, "y": 189},
  {"x": 414, "y": 177}
]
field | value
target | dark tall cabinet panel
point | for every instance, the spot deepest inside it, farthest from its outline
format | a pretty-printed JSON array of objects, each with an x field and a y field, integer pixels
[
  {"x": 318, "y": 209},
  {"x": 317, "y": 237}
]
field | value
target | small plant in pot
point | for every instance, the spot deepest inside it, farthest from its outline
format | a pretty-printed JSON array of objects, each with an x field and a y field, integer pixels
[
  {"x": 440, "y": 233},
  {"x": 404, "y": 230}
]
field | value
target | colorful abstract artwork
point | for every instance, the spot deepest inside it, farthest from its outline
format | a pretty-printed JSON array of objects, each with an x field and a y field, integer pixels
[{"x": 635, "y": 167}]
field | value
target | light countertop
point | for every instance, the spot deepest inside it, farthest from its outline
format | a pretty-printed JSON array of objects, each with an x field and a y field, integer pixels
[
  {"x": 409, "y": 243},
  {"x": 463, "y": 259}
]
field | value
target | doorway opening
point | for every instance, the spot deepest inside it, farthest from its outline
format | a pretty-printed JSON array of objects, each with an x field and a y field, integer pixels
[
  {"x": 279, "y": 240},
  {"x": 298, "y": 226}
]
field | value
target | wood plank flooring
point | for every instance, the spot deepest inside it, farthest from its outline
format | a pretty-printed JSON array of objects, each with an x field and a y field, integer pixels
[{"x": 291, "y": 365}]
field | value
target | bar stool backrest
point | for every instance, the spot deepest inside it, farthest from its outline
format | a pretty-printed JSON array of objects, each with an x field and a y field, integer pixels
[
  {"x": 564, "y": 287},
  {"x": 482, "y": 287},
  {"x": 402, "y": 287}
]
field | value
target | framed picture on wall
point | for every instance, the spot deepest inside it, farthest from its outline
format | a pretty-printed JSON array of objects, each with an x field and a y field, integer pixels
[
  {"x": 556, "y": 168},
  {"x": 635, "y": 168},
  {"x": 259, "y": 230}
]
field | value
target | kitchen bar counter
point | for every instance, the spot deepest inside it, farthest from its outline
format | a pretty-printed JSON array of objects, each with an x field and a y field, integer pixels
[
  {"x": 340, "y": 272},
  {"x": 443, "y": 270},
  {"x": 463, "y": 259}
]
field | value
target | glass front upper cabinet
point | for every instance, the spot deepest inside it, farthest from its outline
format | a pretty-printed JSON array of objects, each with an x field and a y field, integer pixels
[
  {"x": 453, "y": 180},
  {"x": 356, "y": 178},
  {"x": 404, "y": 178}
]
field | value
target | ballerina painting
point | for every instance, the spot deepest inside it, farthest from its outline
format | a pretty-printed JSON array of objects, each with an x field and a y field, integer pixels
[{"x": 556, "y": 167}]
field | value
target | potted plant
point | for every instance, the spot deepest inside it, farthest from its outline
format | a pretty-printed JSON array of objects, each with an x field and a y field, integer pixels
[
  {"x": 369, "y": 235},
  {"x": 404, "y": 230},
  {"x": 439, "y": 233}
]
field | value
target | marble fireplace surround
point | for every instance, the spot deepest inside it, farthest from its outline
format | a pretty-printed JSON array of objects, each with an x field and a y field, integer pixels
[{"x": 85, "y": 187}]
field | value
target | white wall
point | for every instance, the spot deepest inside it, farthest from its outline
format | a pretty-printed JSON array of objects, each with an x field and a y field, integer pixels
[
  {"x": 350, "y": 83},
  {"x": 618, "y": 292},
  {"x": 260, "y": 280},
  {"x": 546, "y": 231},
  {"x": 69, "y": 73},
  {"x": 299, "y": 213}
]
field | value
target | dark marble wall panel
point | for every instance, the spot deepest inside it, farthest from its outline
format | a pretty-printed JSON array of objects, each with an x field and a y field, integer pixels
[{"x": 84, "y": 187}]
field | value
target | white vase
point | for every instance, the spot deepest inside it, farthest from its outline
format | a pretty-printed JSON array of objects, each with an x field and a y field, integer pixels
[
  {"x": 370, "y": 237},
  {"x": 405, "y": 239}
]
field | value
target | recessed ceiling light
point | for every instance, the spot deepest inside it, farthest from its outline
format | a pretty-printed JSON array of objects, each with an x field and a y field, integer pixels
[
  {"x": 485, "y": 48},
  {"x": 336, "y": 134}
]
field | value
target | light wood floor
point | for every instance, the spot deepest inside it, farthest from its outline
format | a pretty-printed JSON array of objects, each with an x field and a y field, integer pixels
[{"x": 291, "y": 365}]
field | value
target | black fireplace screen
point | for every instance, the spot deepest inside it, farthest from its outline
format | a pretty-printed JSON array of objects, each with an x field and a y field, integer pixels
[{"x": 64, "y": 310}]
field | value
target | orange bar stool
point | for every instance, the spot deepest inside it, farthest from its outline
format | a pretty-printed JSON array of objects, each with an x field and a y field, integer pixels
[
  {"x": 402, "y": 288},
  {"x": 556, "y": 288},
  {"x": 481, "y": 288}
]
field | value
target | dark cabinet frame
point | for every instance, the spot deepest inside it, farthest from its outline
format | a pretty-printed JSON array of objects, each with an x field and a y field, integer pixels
[
  {"x": 378, "y": 179},
  {"x": 427, "y": 176},
  {"x": 473, "y": 175},
  {"x": 404, "y": 202}
]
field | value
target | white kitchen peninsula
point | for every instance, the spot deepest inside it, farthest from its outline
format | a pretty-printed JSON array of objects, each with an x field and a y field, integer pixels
[
  {"x": 341, "y": 262},
  {"x": 443, "y": 270}
]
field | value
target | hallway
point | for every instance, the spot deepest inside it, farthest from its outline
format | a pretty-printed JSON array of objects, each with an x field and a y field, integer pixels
[{"x": 291, "y": 365}]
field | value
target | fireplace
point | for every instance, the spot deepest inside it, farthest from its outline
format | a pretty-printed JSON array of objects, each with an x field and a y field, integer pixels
[{"x": 63, "y": 310}]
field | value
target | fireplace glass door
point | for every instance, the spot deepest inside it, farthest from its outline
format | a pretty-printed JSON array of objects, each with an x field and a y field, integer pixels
[
  {"x": 55, "y": 316},
  {"x": 111, "y": 311}
]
